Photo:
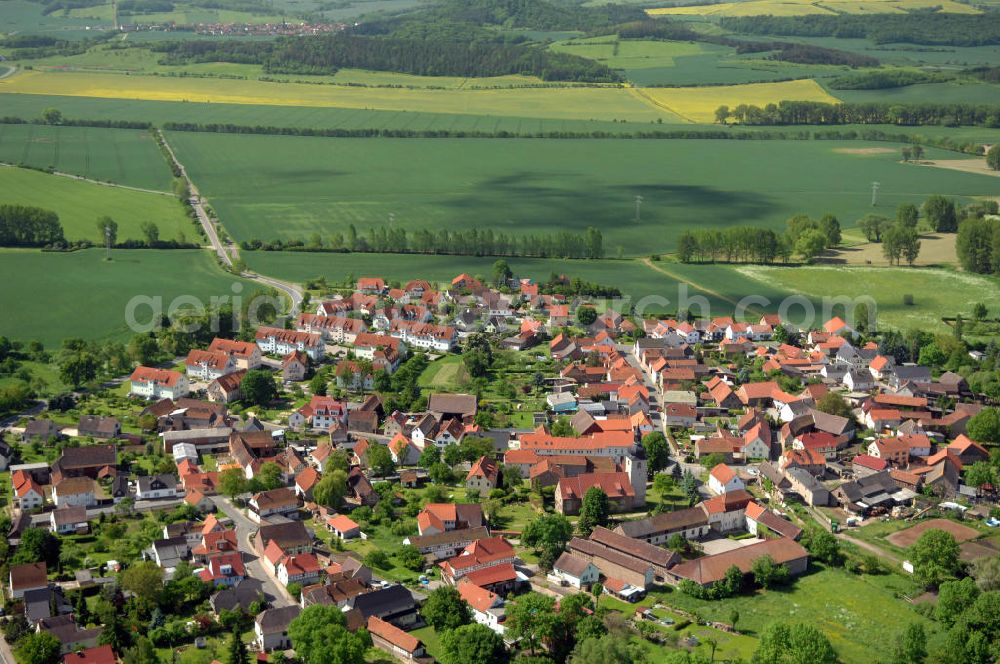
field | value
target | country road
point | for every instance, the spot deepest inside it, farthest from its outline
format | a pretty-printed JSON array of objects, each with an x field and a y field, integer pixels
[
  {"x": 276, "y": 595},
  {"x": 227, "y": 253}
]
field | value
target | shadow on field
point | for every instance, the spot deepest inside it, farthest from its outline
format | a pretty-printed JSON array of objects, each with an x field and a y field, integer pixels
[{"x": 565, "y": 199}]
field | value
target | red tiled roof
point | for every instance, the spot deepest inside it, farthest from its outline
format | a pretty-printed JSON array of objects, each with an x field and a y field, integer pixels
[
  {"x": 392, "y": 634},
  {"x": 153, "y": 375},
  {"x": 615, "y": 485}
]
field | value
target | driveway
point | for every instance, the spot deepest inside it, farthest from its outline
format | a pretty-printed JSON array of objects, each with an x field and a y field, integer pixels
[{"x": 276, "y": 594}]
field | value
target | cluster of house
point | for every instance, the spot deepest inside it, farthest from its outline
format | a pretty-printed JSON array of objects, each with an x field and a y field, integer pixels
[
  {"x": 79, "y": 482},
  {"x": 47, "y": 610},
  {"x": 631, "y": 558},
  {"x": 917, "y": 422}
]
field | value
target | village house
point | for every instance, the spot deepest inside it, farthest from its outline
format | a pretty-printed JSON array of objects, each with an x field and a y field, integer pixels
[
  {"x": 279, "y": 341},
  {"x": 245, "y": 354},
  {"x": 75, "y": 491},
  {"x": 442, "y": 517},
  {"x": 617, "y": 486},
  {"x": 386, "y": 636},
  {"x": 40, "y": 430},
  {"x": 227, "y": 388},
  {"x": 484, "y": 476},
  {"x": 156, "y": 487},
  {"x": 574, "y": 571},
  {"x": 205, "y": 365},
  {"x": 320, "y": 413},
  {"x": 101, "y": 428},
  {"x": 26, "y": 577},
  {"x": 271, "y": 628},
  {"x": 294, "y": 366},
  {"x": 153, "y": 383},
  {"x": 282, "y": 502},
  {"x": 723, "y": 479}
]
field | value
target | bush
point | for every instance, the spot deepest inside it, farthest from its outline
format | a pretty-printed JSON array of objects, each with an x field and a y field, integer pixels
[{"x": 377, "y": 559}]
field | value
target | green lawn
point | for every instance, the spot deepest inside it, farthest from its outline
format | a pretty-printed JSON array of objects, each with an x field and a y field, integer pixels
[
  {"x": 52, "y": 296},
  {"x": 290, "y": 187},
  {"x": 80, "y": 204},
  {"x": 845, "y": 606},
  {"x": 124, "y": 156}
]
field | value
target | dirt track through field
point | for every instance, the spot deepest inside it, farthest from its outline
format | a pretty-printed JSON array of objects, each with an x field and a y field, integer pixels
[{"x": 673, "y": 275}]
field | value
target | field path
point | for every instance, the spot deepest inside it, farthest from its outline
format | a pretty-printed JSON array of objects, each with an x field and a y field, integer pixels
[
  {"x": 642, "y": 96},
  {"x": 227, "y": 254},
  {"x": 81, "y": 178},
  {"x": 673, "y": 275}
]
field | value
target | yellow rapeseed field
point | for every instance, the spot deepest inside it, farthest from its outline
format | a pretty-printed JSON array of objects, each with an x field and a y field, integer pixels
[
  {"x": 699, "y": 104},
  {"x": 805, "y": 7},
  {"x": 569, "y": 103}
]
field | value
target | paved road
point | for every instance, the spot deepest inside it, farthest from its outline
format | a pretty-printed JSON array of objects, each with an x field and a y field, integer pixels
[
  {"x": 227, "y": 253},
  {"x": 277, "y": 595}
]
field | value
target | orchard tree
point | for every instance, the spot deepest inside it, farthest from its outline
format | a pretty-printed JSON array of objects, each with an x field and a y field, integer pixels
[
  {"x": 258, "y": 387},
  {"x": 594, "y": 511},
  {"x": 330, "y": 490},
  {"x": 380, "y": 460},
  {"x": 935, "y": 558},
  {"x": 547, "y": 535},
  {"x": 984, "y": 426},
  {"x": 320, "y": 636},
  {"x": 472, "y": 644},
  {"x": 445, "y": 609},
  {"x": 657, "y": 451},
  {"x": 797, "y": 643}
]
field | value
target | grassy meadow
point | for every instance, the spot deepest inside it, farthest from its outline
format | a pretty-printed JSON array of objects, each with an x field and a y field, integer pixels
[
  {"x": 79, "y": 204},
  {"x": 123, "y": 156},
  {"x": 269, "y": 187},
  {"x": 80, "y": 294},
  {"x": 936, "y": 292}
]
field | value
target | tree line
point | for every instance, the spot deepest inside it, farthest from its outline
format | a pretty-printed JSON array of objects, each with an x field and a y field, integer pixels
[
  {"x": 807, "y": 54},
  {"x": 663, "y": 29},
  {"x": 468, "y": 242},
  {"x": 29, "y": 226},
  {"x": 821, "y": 113},
  {"x": 804, "y": 236},
  {"x": 426, "y": 57},
  {"x": 978, "y": 244},
  {"x": 910, "y": 28},
  {"x": 884, "y": 79}
]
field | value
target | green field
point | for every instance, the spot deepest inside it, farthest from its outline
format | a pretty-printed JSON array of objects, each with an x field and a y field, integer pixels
[
  {"x": 52, "y": 296},
  {"x": 936, "y": 292},
  {"x": 290, "y": 187},
  {"x": 954, "y": 92},
  {"x": 125, "y": 156},
  {"x": 685, "y": 63},
  {"x": 32, "y": 105},
  {"x": 79, "y": 204}
]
